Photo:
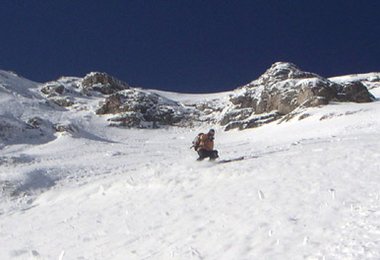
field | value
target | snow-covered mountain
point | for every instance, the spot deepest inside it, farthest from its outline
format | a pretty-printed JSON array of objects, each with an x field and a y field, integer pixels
[
  {"x": 283, "y": 91},
  {"x": 72, "y": 187}
]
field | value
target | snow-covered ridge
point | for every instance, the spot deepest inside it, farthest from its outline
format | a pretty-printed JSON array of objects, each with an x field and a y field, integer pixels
[
  {"x": 12, "y": 83},
  {"x": 279, "y": 91},
  {"x": 371, "y": 77},
  {"x": 370, "y": 80}
]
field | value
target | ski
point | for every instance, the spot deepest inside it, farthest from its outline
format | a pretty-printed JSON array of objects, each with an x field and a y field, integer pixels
[{"x": 231, "y": 160}]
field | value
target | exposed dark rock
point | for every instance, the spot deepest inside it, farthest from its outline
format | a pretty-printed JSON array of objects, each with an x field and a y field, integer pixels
[
  {"x": 103, "y": 83},
  {"x": 139, "y": 108},
  {"x": 69, "y": 128},
  {"x": 209, "y": 107},
  {"x": 303, "y": 116},
  {"x": 355, "y": 92},
  {"x": 63, "y": 102},
  {"x": 53, "y": 89},
  {"x": 129, "y": 120},
  {"x": 236, "y": 115},
  {"x": 62, "y": 92},
  {"x": 252, "y": 122},
  {"x": 112, "y": 105},
  {"x": 36, "y": 122},
  {"x": 284, "y": 87}
]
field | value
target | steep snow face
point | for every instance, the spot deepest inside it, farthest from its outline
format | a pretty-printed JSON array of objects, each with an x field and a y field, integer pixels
[
  {"x": 12, "y": 84},
  {"x": 33, "y": 113},
  {"x": 16, "y": 91},
  {"x": 20, "y": 106},
  {"x": 307, "y": 189}
]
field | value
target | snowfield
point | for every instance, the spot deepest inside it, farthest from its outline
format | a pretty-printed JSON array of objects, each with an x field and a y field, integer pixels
[{"x": 306, "y": 189}]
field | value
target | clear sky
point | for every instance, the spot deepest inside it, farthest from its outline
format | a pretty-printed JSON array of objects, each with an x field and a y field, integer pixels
[{"x": 187, "y": 45}]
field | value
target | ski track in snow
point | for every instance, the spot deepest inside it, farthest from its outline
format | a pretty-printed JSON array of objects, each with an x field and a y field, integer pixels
[{"x": 307, "y": 190}]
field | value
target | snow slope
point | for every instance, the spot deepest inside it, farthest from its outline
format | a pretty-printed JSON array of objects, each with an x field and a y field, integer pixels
[{"x": 307, "y": 189}]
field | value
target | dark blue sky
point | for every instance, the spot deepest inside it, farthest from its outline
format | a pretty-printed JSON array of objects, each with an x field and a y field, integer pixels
[{"x": 187, "y": 46}]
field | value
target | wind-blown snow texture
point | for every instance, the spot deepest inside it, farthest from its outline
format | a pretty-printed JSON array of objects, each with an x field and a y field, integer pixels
[{"x": 307, "y": 188}]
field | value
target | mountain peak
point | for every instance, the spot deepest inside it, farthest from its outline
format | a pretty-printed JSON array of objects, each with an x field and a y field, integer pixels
[
  {"x": 284, "y": 64},
  {"x": 104, "y": 83},
  {"x": 280, "y": 71}
]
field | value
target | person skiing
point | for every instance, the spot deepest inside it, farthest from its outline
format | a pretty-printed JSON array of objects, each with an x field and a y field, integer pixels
[{"x": 204, "y": 145}]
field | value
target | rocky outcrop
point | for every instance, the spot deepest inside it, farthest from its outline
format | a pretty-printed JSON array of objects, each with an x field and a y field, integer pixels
[
  {"x": 137, "y": 108},
  {"x": 63, "y": 102},
  {"x": 53, "y": 89},
  {"x": 103, "y": 83},
  {"x": 354, "y": 92},
  {"x": 253, "y": 121},
  {"x": 63, "y": 91},
  {"x": 66, "y": 90},
  {"x": 369, "y": 80},
  {"x": 282, "y": 89},
  {"x": 46, "y": 126},
  {"x": 65, "y": 128}
]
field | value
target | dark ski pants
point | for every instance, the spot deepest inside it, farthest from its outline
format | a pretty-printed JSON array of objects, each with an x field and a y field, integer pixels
[{"x": 205, "y": 154}]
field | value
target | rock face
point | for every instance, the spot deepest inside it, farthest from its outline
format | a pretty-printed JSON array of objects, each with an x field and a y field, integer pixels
[
  {"x": 66, "y": 90},
  {"x": 53, "y": 89},
  {"x": 137, "y": 108},
  {"x": 63, "y": 91},
  {"x": 103, "y": 83},
  {"x": 282, "y": 89},
  {"x": 354, "y": 92}
]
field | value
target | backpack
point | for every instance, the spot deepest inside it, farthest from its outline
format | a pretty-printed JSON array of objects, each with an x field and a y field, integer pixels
[{"x": 197, "y": 141}]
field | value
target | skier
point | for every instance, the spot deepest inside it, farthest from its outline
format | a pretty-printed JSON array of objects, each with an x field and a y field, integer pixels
[{"x": 204, "y": 145}]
